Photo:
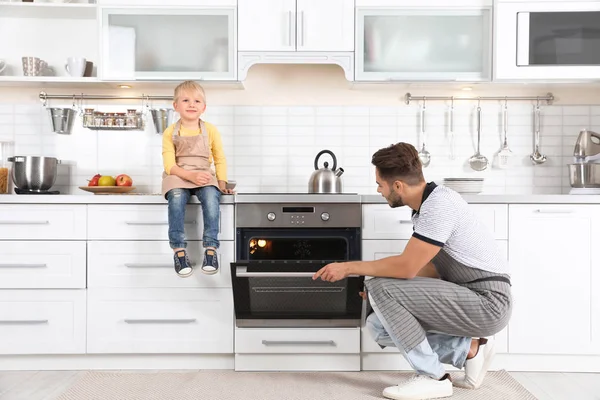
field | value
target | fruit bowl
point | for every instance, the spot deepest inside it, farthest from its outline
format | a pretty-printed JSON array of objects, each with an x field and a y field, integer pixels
[{"x": 107, "y": 189}]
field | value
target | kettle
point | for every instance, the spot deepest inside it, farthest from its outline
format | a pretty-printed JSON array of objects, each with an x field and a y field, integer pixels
[
  {"x": 587, "y": 147},
  {"x": 325, "y": 180}
]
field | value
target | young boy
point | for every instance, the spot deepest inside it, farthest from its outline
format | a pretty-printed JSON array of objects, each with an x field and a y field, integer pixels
[{"x": 189, "y": 148}]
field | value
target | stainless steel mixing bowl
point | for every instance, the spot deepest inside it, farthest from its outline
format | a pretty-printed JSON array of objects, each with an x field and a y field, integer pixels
[
  {"x": 584, "y": 175},
  {"x": 34, "y": 173}
]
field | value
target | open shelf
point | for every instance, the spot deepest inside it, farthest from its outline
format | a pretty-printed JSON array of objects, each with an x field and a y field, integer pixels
[
  {"x": 94, "y": 82},
  {"x": 47, "y": 10}
]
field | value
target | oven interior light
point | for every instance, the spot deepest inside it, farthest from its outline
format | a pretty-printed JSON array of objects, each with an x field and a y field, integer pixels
[{"x": 262, "y": 242}]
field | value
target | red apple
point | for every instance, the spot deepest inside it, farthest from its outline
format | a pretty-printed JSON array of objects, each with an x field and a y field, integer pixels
[
  {"x": 124, "y": 180},
  {"x": 94, "y": 180}
]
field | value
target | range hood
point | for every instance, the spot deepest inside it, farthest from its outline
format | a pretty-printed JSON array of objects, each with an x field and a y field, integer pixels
[{"x": 247, "y": 59}]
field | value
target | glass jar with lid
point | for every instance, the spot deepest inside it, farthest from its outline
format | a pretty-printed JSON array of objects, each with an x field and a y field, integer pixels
[{"x": 6, "y": 151}]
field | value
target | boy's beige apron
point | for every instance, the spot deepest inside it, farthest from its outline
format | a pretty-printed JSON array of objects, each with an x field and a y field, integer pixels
[{"x": 192, "y": 154}]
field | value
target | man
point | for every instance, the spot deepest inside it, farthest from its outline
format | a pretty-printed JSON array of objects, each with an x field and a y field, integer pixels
[{"x": 433, "y": 321}]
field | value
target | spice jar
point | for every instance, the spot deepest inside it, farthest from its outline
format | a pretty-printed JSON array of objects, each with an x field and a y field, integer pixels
[
  {"x": 131, "y": 118},
  {"x": 88, "y": 117}
]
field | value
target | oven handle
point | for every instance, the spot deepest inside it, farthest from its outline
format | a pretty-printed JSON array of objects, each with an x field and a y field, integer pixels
[{"x": 242, "y": 272}]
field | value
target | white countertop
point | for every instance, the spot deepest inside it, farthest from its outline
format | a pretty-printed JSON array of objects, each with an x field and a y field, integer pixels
[{"x": 246, "y": 198}]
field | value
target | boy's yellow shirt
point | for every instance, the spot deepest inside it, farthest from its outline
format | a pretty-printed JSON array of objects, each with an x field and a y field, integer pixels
[{"x": 217, "y": 155}]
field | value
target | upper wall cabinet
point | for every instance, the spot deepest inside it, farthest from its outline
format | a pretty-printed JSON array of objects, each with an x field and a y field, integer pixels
[
  {"x": 296, "y": 25},
  {"x": 159, "y": 43},
  {"x": 547, "y": 40},
  {"x": 423, "y": 40}
]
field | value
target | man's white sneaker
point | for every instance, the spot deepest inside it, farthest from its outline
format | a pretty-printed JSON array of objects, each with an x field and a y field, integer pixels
[
  {"x": 420, "y": 387},
  {"x": 477, "y": 367}
]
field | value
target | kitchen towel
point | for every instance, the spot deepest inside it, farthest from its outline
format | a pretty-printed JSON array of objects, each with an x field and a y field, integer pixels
[{"x": 231, "y": 385}]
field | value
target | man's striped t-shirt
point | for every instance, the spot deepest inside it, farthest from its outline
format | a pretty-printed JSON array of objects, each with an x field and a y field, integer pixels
[{"x": 446, "y": 220}]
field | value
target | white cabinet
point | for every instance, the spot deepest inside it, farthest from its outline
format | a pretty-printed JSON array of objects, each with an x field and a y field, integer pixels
[
  {"x": 430, "y": 41},
  {"x": 296, "y": 25},
  {"x": 42, "y": 222},
  {"x": 42, "y": 265},
  {"x": 42, "y": 321},
  {"x": 168, "y": 43},
  {"x": 552, "y": 260},
  {"x": 160, "y": 321},
  {"x": 149, "y": 264},
  {"x": 541, "y": 40},
  {"x": 296, "y": 340},
  {"x": 150, "y": 222}
]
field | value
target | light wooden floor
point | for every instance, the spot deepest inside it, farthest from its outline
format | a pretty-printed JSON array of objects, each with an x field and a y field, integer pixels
[{"x": 47, "y": 385}]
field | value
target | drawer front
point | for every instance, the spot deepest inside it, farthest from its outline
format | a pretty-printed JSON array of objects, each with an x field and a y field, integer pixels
[
  {"x": 150, "y": 264},
  {"x": 31, "y": 265},
  {"x": 343, "y": 340},
  {"x": 160, "y": 321},
  {"x": 382, "y": 222},
  {"x": 495, "y": 217},
  {"x": 150, "y": 222},
  {"x": 42, "y": 321},
  {"x": 42, "y": 222}
]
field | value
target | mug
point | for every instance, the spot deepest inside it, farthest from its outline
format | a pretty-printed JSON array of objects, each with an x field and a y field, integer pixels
[
  {"x": 75, "y": 66},
  {"x": 2, "y": 66},
  {"x": 33, "y": 66}
]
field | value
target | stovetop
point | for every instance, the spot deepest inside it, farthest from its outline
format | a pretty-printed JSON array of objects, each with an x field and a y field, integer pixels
[{"x": 26, "y": 191}]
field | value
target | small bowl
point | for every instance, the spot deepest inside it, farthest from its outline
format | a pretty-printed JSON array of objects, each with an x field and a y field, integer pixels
[{"x": 230, "y": 185}]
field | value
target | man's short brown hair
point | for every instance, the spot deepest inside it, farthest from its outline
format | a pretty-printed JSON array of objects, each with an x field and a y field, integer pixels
[{"x": 399, "y": 161}]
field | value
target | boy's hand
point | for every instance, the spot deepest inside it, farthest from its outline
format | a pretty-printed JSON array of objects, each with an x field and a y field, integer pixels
[
  {"x": 200, "y": 178},
  {"x": 223, "y": 187}
]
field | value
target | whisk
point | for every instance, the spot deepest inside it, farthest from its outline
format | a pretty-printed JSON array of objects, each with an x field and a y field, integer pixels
[{"x": 504, "y": 153}]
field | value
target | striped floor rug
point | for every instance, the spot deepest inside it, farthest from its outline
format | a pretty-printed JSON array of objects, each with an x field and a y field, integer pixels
[{"x": 231, "y": 385}]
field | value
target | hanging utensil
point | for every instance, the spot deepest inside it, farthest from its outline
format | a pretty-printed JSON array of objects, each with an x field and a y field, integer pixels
[
  {"x": 478, "y": 162},
  {"x": 424, "y": 155},
  {"x": 504, "y": 153},
  {"x": 452, "y": 148},
  {"x": 537, "y": 157}
]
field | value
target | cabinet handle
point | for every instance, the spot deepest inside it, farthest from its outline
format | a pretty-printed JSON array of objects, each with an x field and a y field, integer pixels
[
  {"x": 302, "y": 27},
  {"x": 406, "y": 221},
  {"x": 148, "y": 266},
  {"x": 155, "y": 223},
  {"x": 24, "y": 322},
  {"x": 289, "y": 28},
  {"x": 160, "y": 321},
  {"x": 24, "y": 222},
  {"x": 541, "y": 211},
  {"x": 298, "y": 342},
  {"x": 23, "y": 265},
  {"x": 242, "y": 272}
]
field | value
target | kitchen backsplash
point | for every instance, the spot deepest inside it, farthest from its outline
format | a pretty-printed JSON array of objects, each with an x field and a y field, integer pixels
[{"x": 272, "y": 149}]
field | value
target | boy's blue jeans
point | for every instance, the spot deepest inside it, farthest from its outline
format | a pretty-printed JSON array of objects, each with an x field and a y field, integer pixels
[{"x": 209, "y": 197}]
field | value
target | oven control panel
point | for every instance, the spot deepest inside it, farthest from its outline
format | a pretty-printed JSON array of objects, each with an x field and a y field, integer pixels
[{"x": 299, "y": 216}]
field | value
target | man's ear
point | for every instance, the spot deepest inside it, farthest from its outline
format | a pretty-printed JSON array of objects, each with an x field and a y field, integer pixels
[{"x": 397, "y": 185}]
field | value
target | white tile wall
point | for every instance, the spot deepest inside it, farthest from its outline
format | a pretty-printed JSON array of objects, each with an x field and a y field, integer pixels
[{"x": 272, "y": 149}]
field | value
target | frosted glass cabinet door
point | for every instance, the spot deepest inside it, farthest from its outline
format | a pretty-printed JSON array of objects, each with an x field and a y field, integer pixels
[
  {"x": 394, "y": 44},
  {"x": 156, "y": 44}
]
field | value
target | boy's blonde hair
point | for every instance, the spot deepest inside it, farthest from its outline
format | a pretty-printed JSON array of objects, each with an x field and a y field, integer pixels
[{"x": 189, "y": 86}]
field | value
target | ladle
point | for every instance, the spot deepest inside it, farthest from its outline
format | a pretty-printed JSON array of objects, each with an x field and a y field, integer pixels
[
  {"x": 537, "y": 157},
  {"x": 477, "y": 161},
  {"x": 424, "y": 155}
]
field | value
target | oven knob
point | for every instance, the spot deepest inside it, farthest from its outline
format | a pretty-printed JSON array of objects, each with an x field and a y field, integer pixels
[
  {"x": 271, "y": 216},
  {"x": 325, "y": 216}
]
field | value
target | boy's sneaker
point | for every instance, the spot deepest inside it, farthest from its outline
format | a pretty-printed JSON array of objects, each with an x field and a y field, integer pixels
[
  {"x": 183, "y": 266},
  {"x": 210, "y": 265},
  {"x": 420, "y": 387}
]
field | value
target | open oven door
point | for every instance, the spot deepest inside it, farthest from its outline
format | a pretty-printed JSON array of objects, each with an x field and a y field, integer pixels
[{"x": 282, "y": 293}]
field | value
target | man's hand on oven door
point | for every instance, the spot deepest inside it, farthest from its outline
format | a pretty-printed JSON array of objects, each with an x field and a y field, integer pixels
[{"x": 332, "y": 272}]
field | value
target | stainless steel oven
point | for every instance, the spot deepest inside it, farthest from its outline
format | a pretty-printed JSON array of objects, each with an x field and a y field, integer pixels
[{"x": 279, "y": 246}]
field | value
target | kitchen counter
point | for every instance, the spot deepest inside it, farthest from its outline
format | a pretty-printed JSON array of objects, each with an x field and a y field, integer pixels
[
  {"x": 94, "y": 199},
  {"x": 291, "y": 198},
  {"x": 509, "y": 199}
]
